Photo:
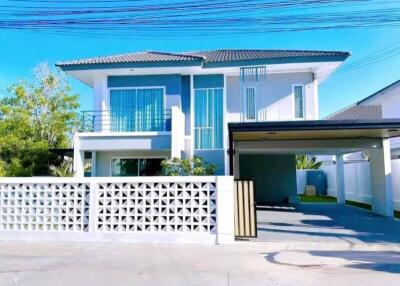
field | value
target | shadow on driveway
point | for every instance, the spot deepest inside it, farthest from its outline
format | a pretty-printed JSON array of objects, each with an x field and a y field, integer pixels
[
  {"x": 325, "y": 223},
  {"x": 382, "y": 261}
]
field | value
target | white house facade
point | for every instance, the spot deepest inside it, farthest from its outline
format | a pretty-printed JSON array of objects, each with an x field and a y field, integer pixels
[{"x": 154, "y": 105}]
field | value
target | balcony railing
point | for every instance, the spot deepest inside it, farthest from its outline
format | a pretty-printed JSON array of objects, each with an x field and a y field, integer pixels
[{"x": 126, "y": 120}]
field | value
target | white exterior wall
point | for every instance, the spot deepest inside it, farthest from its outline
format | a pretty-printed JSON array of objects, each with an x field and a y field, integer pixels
[
  {"x": 274, "y": 102},
  {"x": 358, "y": 181},
  {"x": 274, "y": 97}
]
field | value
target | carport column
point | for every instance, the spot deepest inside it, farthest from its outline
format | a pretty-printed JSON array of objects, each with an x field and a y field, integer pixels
[
  {"x": 340, "y": 191},
  {"x": 225, "y": 210},
  {"x": 79, "y": 159},
  {"x": 381, "y": 179}
]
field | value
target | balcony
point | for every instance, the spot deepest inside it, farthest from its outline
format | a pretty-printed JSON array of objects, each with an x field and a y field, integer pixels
[{"x": 126, "y": 121}]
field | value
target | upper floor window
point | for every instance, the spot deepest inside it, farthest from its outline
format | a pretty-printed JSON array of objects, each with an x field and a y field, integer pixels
[
  {"x": 208, "y": 118},
  {"x": 250, "y": 101},
  {"x": 137, "y": 109},
  {"x": 298, "y": 101}
]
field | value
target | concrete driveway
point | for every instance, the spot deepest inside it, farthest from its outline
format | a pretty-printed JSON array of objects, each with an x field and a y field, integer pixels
[
  {"x": 241, "y": 264},
  {"x": 325, "y": 223}
]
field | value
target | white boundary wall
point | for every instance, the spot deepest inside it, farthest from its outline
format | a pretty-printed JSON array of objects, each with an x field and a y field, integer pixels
[
  {"x": 357, "y": 181},
  {"x": 129, "y": 209}
]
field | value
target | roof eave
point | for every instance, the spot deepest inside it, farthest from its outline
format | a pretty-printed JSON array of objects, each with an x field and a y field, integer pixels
[
  {"x": 76, "y": 67},
  {"x": 285, "y": 60}
]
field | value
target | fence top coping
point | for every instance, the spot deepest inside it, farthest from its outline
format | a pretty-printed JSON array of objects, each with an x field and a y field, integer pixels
[{"x": 158, "y": 179}]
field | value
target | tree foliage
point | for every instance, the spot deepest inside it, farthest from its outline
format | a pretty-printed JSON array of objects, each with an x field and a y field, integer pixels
[
  {"x": 195, "y": 166},
  {"x": 38, "y": 115},
  {"x": 303, "y": 162}
]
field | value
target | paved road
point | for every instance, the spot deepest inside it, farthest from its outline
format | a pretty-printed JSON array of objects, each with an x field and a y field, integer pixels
[{"x": 59, "y": 264}]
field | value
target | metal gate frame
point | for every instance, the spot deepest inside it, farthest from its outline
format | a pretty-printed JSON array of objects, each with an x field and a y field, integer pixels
[{"x": 245, "y": 209}]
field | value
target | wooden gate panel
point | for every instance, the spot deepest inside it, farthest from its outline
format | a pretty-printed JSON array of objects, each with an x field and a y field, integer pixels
[{"x": 245, "y": 209}]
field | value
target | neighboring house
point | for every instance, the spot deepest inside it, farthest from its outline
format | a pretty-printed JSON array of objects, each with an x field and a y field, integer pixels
[
  {"x": 383, "y": 104},
  {"x": 148, "y": 106}
]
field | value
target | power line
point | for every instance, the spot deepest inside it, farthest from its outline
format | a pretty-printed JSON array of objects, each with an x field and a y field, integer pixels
[{"x": 200, "y": 18}]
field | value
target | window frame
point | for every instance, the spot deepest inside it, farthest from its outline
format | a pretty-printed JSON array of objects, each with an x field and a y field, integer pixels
[
  {"x": 212, "y": 128},
  {"x": 294, "y": 101},
  {"x": 163, "y": 87},
  {"x": 134, "y": 157},
  {"x": 246, "y": 103}
]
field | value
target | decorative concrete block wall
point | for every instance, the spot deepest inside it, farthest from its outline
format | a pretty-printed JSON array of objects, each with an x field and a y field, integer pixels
[
  {"x": 44, "y": 206},
  {"x": 132, "y": 209}
]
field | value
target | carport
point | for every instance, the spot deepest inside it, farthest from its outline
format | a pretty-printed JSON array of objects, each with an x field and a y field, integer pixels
[{"x": 319, "y": 137}]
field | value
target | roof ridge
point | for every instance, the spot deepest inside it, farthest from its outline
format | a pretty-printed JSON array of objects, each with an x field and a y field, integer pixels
[{"x": 271, "y": 50}]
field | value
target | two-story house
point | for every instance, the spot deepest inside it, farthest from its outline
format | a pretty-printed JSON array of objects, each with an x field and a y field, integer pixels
[{"x": 148, "y": 106}]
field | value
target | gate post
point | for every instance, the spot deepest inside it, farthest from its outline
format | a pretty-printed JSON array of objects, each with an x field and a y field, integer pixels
[
  {"x": 92, "y": 206},
  {"x": 225, "y": 210}
]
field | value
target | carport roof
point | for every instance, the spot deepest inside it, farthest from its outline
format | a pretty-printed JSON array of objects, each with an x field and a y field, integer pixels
[{"x": 315, "y": 129}]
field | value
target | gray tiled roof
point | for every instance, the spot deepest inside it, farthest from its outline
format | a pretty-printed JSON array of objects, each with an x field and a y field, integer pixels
[
  {"x": 239, "y": 55},
  {"x": 205, "y": 56},
  {"x": 357, "y": 112},
  {"x": 132, "y": 58}
]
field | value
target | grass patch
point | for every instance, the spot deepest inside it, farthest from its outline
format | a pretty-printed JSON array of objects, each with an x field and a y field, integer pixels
[
  {"x": 359, "y": 205},
  {"x": 317, "y": 199},
  {"x": 329, "y": 199}
]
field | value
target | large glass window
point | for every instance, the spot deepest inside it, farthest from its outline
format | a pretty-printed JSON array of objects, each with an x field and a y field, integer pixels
[
  {"x": 208, "y": 125},
  {"x": 298, "y": 101},
  {"x": 122, "y": 167},
  {"x": 139, "y": 109},
  {"x": 250, "y": 103}
]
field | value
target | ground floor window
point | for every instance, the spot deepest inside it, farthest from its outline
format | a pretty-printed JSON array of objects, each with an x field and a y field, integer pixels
[{"x": 122, "y": 167}]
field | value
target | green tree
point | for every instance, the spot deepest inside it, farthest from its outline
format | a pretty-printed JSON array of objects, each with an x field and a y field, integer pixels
[
  {"x": 303, "y": 162},
  {"x": 38, "y": 115}
]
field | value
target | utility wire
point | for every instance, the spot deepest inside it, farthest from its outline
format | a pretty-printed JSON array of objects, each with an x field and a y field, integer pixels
[{"x": 137, "y": 18}]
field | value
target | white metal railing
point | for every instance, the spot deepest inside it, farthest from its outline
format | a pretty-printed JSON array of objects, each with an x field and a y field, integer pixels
[{"x": 103, "y": 208}]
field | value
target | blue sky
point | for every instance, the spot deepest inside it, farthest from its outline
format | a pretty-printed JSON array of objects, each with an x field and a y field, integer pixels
[{"x": 20, "y": 51}]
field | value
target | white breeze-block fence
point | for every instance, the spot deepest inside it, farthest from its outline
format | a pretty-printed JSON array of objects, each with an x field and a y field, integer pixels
[
  {"x": 357, "y": 181},
  {"x": 137, "y": 209}
]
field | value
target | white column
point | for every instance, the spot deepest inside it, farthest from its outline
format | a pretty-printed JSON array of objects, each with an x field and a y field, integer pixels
[
  {"x": 79, "y": 159},
  {"x": 340, "y": 191},
  {"x": 101, "y": 104},
  {"x": 92, "y": 206},
  {"x": 94, "y": 164},
  {"x": 316, "y": 99},
  {"x": 225, "y": 210},
  {"x": 381, "y": 179},
  {"x": 192, "y": 115},
  {"x": 177, "y": 132}
]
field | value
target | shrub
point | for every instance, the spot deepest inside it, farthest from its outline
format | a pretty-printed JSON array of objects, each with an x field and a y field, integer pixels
[{"x": 195, "y": 166}]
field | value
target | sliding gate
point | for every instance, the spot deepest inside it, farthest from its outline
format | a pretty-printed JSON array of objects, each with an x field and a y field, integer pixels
[{"x": 245, "y": 209}]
